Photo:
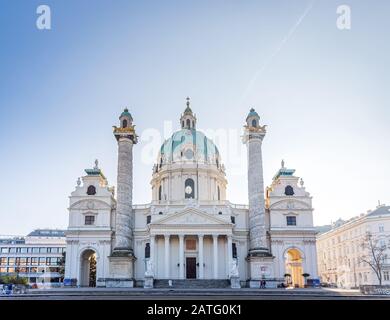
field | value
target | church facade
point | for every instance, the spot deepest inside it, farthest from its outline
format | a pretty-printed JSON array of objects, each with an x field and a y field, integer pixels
[{"x": 190, "y": 233}]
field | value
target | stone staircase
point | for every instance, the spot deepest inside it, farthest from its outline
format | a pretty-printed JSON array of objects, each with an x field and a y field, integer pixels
[{"x": 192, "y": 283}]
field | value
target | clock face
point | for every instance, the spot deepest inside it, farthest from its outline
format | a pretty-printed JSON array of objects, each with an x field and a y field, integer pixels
[{"x": 188, "y": 190}]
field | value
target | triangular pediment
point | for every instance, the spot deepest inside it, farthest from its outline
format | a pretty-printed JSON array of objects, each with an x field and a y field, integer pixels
[
  {"x": 191, "y": 216},
  {"x": 289, "y": 204},
  {"x": 89, "y": 204}
]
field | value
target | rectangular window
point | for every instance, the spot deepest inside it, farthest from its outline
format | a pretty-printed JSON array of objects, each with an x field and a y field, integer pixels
[
  {"x": 234, "y": 250},
  {"x": 89, "y": 220},
  {"x": 34, "y": 261},
  {"x": 148, "y": 219},
  {"x": 233, "y": 219},
  {"x": 35, "y": 250},
  {"x": 381, "y": 228},
  {"x": 42, "y": 261},
  {"x": 3, "y": 261},
  {"x": 291, "y": 220},
  {"x": 11, "y": 270},
  {"x": 33, "y": 269},
  {"x": 4, "y": 250},
  {"x": 24, "y": 250},
  {"x": 12, "y": 250},
  {"x": 191, "y": 244},
  {"x": 43, "y": 250},
  {"x": 386, "y": 275},
  {"x": 3, "y": 270},
  {"x": 147, "y": 250},
  {"x": 17, "y": 262},
  {"x": 22, "y": 269},
  {"x": 23, "y": 261},
  {"x": 11, "y": 261}
]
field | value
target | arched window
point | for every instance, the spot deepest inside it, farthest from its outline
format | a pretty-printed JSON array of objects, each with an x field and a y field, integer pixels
[
  {"x": 91, "y": 190},
  {"x": 147, "y": 250},
  {"x": 254, "y": 123},
  {"x": 189, "y": 189},
  {"x": 193, "y": 124},
  {"x": 219, "y": 193},
  {"x": 188, "y": 123},
  {"x": 160, "y": 193},
  {"x": 124, "y": 123},
  {"x": 289, "y": 191}
]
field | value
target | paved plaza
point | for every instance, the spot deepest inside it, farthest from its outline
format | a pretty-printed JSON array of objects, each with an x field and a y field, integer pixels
[{"x": 192, "y": 294}]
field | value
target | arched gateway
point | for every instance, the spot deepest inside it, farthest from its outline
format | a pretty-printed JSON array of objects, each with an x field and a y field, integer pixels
[{"x": 88, "y": 268}]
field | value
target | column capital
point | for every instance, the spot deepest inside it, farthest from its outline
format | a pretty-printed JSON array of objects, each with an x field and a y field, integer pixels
[
  {"x": 200, "y": 235},
  {"x": 215, "y": 236},
  {"x": 167, "y": 235},
  {"x": 181, "y": 236}
]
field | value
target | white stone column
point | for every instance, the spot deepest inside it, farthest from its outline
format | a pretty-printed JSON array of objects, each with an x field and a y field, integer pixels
[
  {"x": 200, "y": 253},
  {"x": 152, "y": 251},
  {"x": 253, "y": 138},
  {"x": 124, "y": 214},
  {"x": 215, "y": 255},
  {"x": 167, "y": 258},
  {"x": 181, "y": 256},
  {"x": 229, "y": 253}
]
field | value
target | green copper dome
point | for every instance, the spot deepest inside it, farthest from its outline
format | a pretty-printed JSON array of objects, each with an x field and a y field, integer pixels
[
  {"x": 189, "y": 145},
  {"x": 126, "y": 113},
  {"x": 252, "y": 113}
]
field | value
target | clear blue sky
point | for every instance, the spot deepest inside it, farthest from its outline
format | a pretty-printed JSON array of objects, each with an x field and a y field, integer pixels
[{"x": 324, "y": 94}]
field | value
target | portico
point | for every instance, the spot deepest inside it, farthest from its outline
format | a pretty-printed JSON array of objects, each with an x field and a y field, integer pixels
[{"x": 199, "y": 250}]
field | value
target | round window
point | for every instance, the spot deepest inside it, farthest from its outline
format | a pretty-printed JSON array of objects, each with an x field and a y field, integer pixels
[{"x": 189, "y": 154}]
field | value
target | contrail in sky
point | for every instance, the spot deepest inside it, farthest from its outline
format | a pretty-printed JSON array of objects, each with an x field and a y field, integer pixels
[{"x": 279, "y": 47}]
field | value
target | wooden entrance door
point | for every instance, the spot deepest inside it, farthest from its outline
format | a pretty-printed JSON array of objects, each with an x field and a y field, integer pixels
[{"x": 190, "y": 268}]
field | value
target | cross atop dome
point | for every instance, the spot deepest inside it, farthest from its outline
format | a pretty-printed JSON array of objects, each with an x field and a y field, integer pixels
[{"x": 188, "y": 118}]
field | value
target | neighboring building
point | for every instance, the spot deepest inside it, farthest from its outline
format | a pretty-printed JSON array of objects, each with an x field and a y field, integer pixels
[
  {"x": 38, "y": 256},
  {"x": 340, "y": 249},
  {"x": 189, "y": 230}
]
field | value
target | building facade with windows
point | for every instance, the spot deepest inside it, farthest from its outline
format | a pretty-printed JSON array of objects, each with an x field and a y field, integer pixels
[
  {"x": 38, "y": 256},
  {"x": 189, "y": 230},
  {"x": 341, "y": 253}
]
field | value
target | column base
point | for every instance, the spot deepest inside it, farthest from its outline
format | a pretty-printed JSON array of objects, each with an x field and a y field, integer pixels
[
  {"x": 261, "y": 268},
  {"x": 119, "y": 283},
  {"x": 122, "y": 252},
  {"x": 259, "y": 252},
  {"x": 121, "y": 271}
]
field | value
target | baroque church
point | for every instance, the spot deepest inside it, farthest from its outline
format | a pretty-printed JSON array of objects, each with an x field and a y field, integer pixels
[{"x": 190, "y": 234}]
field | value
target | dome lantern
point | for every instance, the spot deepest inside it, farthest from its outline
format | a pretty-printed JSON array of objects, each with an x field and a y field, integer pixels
[{"x": 188, "y": 118}]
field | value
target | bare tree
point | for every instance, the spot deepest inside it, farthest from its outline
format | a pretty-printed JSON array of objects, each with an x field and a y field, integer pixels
[{"x": 374, "y": 254}]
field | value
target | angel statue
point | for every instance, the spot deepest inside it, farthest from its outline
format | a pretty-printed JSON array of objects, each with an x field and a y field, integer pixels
[{"x": 234, "y": 269}]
